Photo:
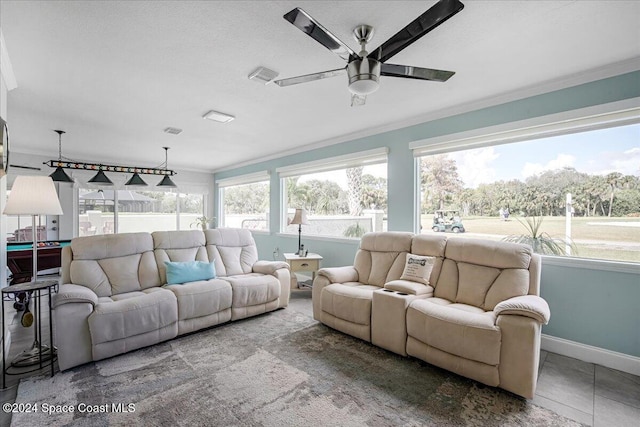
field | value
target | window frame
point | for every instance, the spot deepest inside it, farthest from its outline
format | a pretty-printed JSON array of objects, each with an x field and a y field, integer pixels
[
  {"x": 244, "y": 179},
  {"x": 359, "y": 158},
  {"x": 587, "y": 119},
  {"x": 116, "y": 212}
]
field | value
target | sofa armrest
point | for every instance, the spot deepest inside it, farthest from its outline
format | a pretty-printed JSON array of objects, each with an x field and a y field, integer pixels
[
  {"x": 70, "y": 293},
  {"x": 339, "y": 274},
  {"x": 269, "y": 267},
  {"x": 528, "y": 305}
]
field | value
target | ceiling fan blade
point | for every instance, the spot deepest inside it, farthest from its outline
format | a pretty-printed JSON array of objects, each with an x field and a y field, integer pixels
[
  {"x": 315, "y": 30},
  {"x": 419, "y": 73},
  {"x": 436, "y": 15},
  {"x": 358, "y": 100},
  {"x": 309, "y": 77}
]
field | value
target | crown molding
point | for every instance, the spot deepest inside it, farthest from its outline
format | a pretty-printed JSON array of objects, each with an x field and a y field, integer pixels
[{"x": 576, "y": 79}]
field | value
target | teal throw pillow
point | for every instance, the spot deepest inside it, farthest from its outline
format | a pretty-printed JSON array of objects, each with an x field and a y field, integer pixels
[{"x": 191, "y": 271}]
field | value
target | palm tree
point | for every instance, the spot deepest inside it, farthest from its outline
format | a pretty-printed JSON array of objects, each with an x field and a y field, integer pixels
[
  {"x": 614, "y": 180},
  {"x": 540, "y": 241},
  {"x": 354, "y": 178}
]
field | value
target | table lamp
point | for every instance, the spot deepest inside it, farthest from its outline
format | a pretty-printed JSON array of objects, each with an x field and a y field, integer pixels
[{"x": 300, "y": 218}]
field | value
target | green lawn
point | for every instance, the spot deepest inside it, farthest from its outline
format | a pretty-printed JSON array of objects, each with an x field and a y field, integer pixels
[{"x": 595, "y": 237}]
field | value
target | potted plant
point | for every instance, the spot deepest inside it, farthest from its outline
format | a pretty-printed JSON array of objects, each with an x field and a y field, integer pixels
[{"x": 202, "y": 222}]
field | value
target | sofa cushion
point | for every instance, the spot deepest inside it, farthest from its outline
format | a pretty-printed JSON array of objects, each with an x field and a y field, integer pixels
[
  {"x": 232, "y": 249},
  {"x": 183, "y": 239},
  {"x": 253, "y": 289},
  {"x": 483, "y": 273},
  {"x": 201, "y": 298},
  {"x": 131, "y": 314},
  {"x": 458, "y": 329},
  {"x": 409, "y": 287},
  {"x": 349, "y": 301},
  {"x": 381, "y": 257},
  {"x": 178, "y": 246},
  {"x": 114, "y": 264},
  {"x": 417, "y": 268},
  {"x": 111, "y": 245},
  {"x": 189, "y": 271}
]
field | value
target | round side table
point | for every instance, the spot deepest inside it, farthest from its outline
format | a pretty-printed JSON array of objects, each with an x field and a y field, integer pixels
[{"x": 39, "y": 354}]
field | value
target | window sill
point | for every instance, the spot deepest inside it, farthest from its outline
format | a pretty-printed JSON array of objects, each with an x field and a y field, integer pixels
[
  {"x": 311, "y": 237},
  {"x": 592, "y": 264},
  {"x": 262, "y": 232}
]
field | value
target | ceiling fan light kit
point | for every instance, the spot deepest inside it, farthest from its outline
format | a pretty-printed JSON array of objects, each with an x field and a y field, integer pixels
[
  {"x": 364, "y": 69},
  {"x": 364, "y": 76}
]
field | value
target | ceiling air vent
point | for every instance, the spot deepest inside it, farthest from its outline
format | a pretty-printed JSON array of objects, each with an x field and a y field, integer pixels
[
  {"x": 263, "y": 75},
  {"x": 173, "y": 131}
]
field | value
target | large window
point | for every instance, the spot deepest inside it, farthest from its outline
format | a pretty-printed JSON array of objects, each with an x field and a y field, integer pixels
[
  {"x": 19, "y": 228},
  {"x": 137, "y": 210},
  {"x": 575, "y": 194},
  {"x": 244, "y": 202},
  {"x": 343, "y": 197}
]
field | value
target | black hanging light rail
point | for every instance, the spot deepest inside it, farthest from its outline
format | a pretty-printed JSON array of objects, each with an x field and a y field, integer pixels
[
  {"x": 108, "y": 168},
  {"x": 100, "y": 178}
]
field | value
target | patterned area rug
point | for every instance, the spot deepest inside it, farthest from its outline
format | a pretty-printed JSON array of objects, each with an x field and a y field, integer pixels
[{"x": 278, "y": 369}]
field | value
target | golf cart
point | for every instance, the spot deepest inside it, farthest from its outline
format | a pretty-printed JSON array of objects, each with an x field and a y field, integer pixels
[{"x": 447, "y": 220}]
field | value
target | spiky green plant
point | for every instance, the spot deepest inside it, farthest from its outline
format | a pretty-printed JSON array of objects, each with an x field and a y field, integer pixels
[
  {"x": 540, "y": 241},
  {"x": 354, "y": 230}
]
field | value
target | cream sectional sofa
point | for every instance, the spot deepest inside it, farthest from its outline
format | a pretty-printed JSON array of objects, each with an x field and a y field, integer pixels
[
  {"x": 480, "y": 315},
  {"x": 114, "y": 297}
]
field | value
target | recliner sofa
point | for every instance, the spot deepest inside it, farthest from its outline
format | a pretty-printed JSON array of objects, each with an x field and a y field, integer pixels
[
  {"x": 114, "y": 297},
  {"x": 477, "y": 314}
]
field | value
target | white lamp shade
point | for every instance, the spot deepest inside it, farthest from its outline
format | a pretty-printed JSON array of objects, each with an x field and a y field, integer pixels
[
  {"x": 300, "y": 217},
  {"x": 33, "y": 195}
]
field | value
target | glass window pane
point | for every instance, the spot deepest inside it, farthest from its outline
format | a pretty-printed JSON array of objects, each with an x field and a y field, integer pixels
[
  {"x": 137, "y": 211},
  {"x": 147, "y": 211},
  {"x": 95, "y": 212},
  {"x": 191, "y": 211},
  {"x": 19, "y": 228},
  {"x": 570, "y": 195},
  {"x": 245, "y": 206},
  {"x": 340, "y": 203}
]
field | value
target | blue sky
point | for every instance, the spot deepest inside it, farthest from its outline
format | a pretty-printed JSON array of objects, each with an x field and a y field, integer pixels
[{"x": 594, "y": 152}]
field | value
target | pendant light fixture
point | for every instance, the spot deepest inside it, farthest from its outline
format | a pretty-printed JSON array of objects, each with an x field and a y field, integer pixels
[
  {"x": 136, "y": 180},
  {"x": 100, "y": 179},
  {"x": 166, "y": 181},
  {"x": 59, "y": 175}
]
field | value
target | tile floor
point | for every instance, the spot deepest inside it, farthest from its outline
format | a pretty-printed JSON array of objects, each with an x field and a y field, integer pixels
[{"x": 588, "y": 393}]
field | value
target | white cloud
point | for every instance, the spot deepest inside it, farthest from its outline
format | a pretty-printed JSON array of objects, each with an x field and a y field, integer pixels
[
  {"x": 561, "y": 161},
  {"x": 628, "y": 162},
  {"x": 474, "y": 166}
]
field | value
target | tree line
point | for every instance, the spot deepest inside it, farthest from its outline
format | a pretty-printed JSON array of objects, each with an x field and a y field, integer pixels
[
  {"x": 544, "y": 194},
  {"x": 613, "y": 194},
  {"x": 318, "y": 197}
]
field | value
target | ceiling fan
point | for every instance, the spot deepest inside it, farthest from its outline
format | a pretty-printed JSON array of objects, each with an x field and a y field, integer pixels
[{"x": 364, "y": 69}]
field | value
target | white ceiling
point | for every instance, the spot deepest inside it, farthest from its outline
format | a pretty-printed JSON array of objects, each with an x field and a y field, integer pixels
[{"x": 114, "y": 74}]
